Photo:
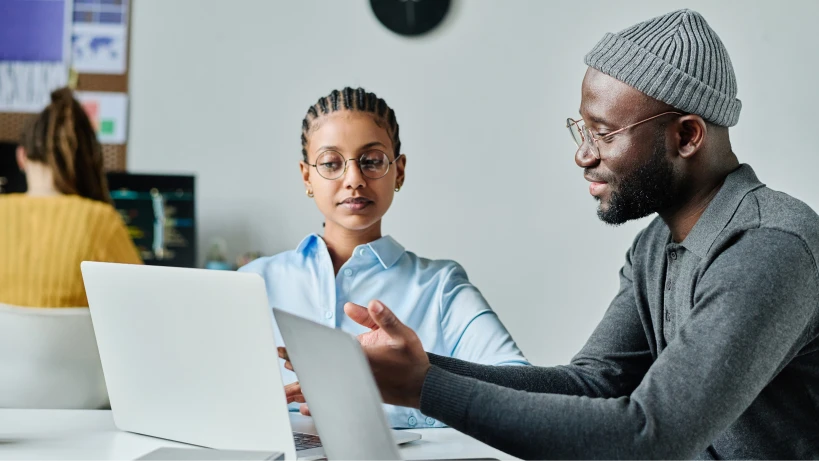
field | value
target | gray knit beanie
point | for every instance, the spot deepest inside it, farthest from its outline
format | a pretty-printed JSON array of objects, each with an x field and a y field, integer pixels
[{"x": 675, "y": 58}]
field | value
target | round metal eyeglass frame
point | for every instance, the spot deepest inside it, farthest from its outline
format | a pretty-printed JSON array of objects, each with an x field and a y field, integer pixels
[
  {"x": 386, "y": 159},
  {"x": 581, "y": 134}
]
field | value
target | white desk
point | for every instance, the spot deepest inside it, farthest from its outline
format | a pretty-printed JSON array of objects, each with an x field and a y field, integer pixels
[{"x": 90, "y": 434}]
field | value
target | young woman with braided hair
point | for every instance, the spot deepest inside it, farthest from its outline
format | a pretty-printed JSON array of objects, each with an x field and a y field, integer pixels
[
  {"x": 64, "y": 218},
  {"x": 352, "y": 166}
]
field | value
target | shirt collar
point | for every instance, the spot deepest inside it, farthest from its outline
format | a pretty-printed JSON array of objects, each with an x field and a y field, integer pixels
[
  {"x": 307, "y": 243},
  {"x": 386, "y": 249},
  {"x": 721, "y": 209}
]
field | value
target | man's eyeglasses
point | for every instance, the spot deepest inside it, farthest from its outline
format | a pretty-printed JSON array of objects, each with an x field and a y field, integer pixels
[
  {"x": 580, "y": 133},
  {"x": 374, "y": 164}
]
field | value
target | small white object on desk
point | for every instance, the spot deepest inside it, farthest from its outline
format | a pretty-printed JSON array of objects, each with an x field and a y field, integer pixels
[{"x": 91, "y": 435}]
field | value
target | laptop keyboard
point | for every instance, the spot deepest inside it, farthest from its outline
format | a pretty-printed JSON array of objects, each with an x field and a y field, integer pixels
[{"x": 306, "y": 441}]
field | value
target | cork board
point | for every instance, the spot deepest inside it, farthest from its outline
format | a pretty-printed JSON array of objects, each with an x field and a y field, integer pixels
[
  {"x": 114, "y": 155},
  {"x": 11, "y": 125}
]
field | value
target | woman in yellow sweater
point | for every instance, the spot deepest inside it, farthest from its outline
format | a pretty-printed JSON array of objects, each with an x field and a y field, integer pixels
[{"x": 64, "y": 218}]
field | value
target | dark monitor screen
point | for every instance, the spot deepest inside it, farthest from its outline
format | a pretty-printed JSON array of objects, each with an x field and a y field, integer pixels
[
  {"x": 11, "y": 178},
  {"x": 160, "y": 213}
]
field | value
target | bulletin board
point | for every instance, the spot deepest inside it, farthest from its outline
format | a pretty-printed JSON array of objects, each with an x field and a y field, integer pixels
[{"x": 102, "y": 15}]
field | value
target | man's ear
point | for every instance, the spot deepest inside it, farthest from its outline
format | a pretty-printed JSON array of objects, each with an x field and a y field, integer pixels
[{"x": 692, "y": 131}]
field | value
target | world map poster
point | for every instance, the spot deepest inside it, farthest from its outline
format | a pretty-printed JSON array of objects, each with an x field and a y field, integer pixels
[{"x": 99, "y": 36}]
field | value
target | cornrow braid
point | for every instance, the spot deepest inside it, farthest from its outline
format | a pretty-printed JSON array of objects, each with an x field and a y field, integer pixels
[{"x": 352, "y": 99}]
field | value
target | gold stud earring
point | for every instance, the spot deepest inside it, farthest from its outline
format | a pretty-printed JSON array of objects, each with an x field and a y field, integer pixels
[{"x": 309, "y": 193}]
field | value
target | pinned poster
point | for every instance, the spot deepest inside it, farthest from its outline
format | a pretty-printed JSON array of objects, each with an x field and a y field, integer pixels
[
  {"x": 99, "y": 36},
  {"x": 34, "y": 52},
  {"x": 27, "y": 86},
  {"x": 108, "y": 113}
]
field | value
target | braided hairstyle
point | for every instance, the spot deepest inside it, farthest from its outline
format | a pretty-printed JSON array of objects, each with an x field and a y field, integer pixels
[
  {"x": 353, "y": 99},
  {"x": 63, "y": 138}
]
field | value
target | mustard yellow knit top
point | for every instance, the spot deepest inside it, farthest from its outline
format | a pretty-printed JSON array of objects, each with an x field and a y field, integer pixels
[{"x": 44, "y": 239}]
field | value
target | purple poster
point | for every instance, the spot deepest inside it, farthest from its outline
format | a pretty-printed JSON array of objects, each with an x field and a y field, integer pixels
[{"x": 32, "y": 30}]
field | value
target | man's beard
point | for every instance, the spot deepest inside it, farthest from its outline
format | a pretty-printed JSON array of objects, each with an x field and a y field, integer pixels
[{"x": 648, "y": 189}]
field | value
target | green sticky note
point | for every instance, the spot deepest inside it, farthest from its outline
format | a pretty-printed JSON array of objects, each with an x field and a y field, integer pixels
[{"x": 107, "y": 127}]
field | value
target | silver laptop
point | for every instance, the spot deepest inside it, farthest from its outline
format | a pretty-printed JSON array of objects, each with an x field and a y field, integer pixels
[
  {"x": 189, "y": 355},
  {"x": 336, "y": 380},
  {"x": 339, "y": 387}
]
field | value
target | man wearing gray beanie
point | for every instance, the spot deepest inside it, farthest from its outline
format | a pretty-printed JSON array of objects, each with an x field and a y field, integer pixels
[{"x": 711, "y": 347}]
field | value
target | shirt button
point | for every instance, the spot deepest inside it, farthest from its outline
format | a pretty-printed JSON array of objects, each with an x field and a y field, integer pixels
[
  {"x": 668, "y": 285},
  {"x": 328, "y": 315},
  {"x": 412, "y": 421},
  {"x": 430, "y": 421},
  {"x": 348, "y": 272},
  {"x": 673, "y": 255},
  {"x": 362, "y": 252},
  {"x": 667, "y": 315}
]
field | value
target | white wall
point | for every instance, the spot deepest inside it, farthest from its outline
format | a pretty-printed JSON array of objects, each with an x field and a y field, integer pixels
[{"x": 219, "y": 88}]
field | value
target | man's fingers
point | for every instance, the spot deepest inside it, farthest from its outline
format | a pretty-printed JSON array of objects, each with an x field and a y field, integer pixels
[
  {"x": 386, "y": 319},
  {"x": 360, "y": 315}
]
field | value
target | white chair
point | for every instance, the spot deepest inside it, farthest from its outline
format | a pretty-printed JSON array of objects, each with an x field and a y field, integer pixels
[{"x": 49, "y": 359}]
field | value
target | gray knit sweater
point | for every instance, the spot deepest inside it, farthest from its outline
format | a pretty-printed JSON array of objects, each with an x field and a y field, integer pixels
[{"x": 709, "y": 350}]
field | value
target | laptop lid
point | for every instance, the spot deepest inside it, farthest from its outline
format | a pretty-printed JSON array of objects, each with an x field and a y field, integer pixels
[
  {"x": 339, "y": 388},
  {"x": 189, "y": 355}
]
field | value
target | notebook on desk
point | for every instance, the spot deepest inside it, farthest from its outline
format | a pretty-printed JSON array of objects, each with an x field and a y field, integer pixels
[{"x": 203, "y": 454}]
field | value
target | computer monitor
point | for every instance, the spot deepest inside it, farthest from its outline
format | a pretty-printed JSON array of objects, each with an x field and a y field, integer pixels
[
  {"x": 12, "y": 180},
  {"x": 160, "y": 213}
]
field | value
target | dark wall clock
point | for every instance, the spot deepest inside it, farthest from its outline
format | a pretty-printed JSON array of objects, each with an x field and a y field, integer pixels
[{"x": 410, "y": 17}]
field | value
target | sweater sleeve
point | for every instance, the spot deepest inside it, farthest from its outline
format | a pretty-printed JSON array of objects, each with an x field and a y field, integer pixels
[
  {"x": 611, "y": 364},
  {"x": 116, "y": 245},
  {"x": 745, "y": 326}
]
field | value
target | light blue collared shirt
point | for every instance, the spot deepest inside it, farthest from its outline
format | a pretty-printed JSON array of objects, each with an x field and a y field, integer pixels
[{"x": 433, "y": 297}]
